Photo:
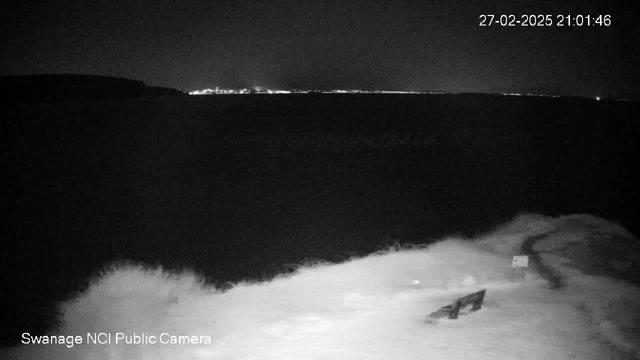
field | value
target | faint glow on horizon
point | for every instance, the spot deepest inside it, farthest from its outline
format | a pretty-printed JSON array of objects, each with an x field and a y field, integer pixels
[
  {"x": 217, "y": 90},
  {"x": 538, "y": 95},
  {"x": 262, "y": 90}
]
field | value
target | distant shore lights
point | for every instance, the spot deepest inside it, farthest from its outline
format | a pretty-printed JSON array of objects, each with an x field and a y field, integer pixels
[{"x": 261, "y": 90}]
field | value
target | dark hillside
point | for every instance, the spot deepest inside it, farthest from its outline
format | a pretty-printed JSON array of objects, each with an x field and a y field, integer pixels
[{"x": 72, "y": 87}]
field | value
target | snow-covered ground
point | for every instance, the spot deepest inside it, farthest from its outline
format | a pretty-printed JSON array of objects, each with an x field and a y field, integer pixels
[{"x": 377, "y": 307}]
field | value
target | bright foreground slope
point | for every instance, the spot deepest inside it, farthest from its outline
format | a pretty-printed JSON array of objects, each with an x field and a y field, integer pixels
[{"x": 377, "y": 307}]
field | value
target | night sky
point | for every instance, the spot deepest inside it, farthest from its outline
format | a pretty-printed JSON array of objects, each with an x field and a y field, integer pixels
[{"x": 364, "y": 44}]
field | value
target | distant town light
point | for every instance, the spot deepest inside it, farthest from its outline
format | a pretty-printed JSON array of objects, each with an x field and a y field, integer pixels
[{"x": 264, "y": 90}]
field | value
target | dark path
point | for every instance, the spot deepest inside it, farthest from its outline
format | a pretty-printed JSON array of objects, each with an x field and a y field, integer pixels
[{"x": 555, "y": 280}]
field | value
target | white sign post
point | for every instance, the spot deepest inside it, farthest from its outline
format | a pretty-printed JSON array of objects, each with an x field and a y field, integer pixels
[
  {"x": 520, "y": 261},
  {"x": 519, "y": 266}
]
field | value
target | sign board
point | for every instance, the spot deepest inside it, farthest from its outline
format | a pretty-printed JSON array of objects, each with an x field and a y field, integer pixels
[{"x": 520, "y": 261}]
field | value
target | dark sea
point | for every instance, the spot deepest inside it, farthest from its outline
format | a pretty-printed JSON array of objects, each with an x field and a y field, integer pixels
[{"x": 237, "y": 186}]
